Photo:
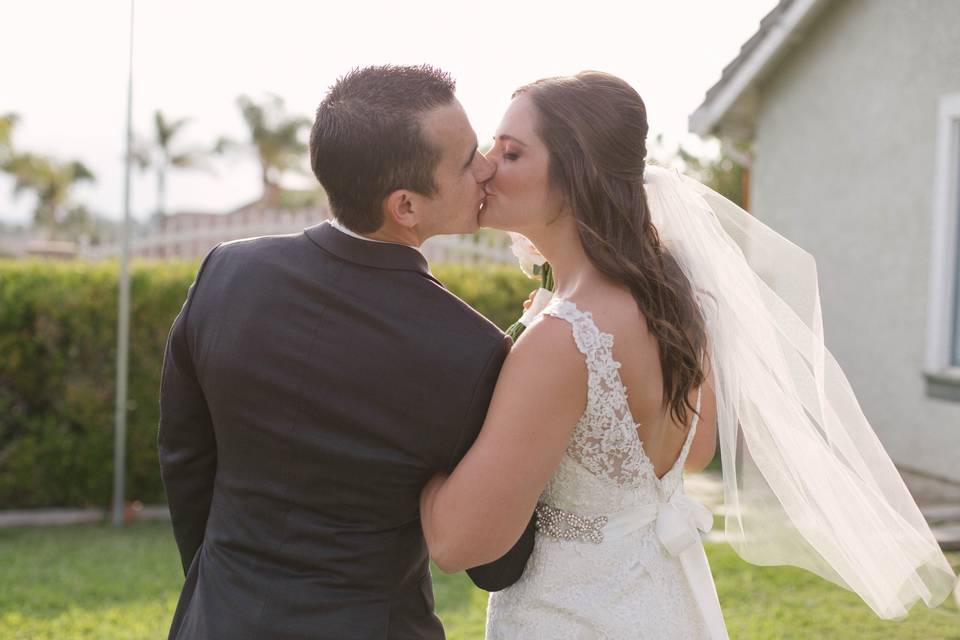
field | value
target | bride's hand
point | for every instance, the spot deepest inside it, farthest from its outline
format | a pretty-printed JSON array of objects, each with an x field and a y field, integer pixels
[{"x": 529, "y": 300}]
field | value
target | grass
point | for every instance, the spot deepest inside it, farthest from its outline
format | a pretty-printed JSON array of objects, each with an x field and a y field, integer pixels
[
  {"x": 89, "y": 582},
  {"x": 763, "y": 603}
]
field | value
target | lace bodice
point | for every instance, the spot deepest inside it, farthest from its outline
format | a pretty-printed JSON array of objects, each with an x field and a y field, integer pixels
[
  {"x": 605, "y": 442},
  {"x": 582, "y": 580}
]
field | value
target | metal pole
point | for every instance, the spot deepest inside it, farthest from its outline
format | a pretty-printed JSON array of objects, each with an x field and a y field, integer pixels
[{"x": 123, "y": 315}]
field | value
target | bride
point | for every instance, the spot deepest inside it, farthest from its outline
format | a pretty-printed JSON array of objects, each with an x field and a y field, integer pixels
[{"x": 677, "y": 319}]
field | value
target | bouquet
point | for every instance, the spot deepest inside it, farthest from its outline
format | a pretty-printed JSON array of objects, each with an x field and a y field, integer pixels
[{"x": 535, "y": 266}]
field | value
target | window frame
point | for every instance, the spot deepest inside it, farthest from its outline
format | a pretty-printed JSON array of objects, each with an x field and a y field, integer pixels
[{"x": 941, "y": 371}]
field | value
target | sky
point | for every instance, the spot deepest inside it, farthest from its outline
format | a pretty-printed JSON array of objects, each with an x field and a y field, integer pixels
[{"x": 63, "y": 69}]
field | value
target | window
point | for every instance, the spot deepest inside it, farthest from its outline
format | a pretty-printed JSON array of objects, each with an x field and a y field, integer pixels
[
  {"x": 943, "y": 330},
  {"x": 955, "y": 188}
]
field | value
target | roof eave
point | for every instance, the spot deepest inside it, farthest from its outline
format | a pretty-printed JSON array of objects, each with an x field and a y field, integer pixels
[{"x": 730, "y": 104}]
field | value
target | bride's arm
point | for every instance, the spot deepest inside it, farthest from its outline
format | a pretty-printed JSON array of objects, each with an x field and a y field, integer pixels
[
  {"x": 476, "y": 514},
  {"x": 704, "y": 445}
]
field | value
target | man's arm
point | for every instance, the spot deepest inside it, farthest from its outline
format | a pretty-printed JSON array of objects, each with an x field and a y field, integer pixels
[
  {"x": 505, "y": 571},
  {"x": 186, "y": 442}
]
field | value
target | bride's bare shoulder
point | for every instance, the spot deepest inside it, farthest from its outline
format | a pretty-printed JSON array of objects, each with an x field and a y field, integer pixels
[
  {"x": 546, "y": 361},
  {"x": 613, "y": 307},
  {"x": 549, "y": 336},
  {"x": 615, "y": 311}
]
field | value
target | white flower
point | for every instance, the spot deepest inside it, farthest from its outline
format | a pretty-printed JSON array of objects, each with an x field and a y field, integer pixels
[{"x": 526, "y": 253}]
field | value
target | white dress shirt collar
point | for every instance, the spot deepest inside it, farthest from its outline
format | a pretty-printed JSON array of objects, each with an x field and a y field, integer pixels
[{"x": 336, "y": 224}]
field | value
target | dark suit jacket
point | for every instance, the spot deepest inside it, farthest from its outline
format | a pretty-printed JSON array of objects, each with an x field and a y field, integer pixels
[{"x": 312, "y": 384}]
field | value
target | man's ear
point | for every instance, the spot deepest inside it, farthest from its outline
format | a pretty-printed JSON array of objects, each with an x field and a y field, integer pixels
[{"x": 401, "y": 207}]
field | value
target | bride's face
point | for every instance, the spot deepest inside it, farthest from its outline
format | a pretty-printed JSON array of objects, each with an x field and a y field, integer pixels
[{"x": 519, "y": 195}]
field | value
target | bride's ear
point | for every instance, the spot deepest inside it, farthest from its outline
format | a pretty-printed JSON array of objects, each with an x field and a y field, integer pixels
[{"x": 400, "y": 207}]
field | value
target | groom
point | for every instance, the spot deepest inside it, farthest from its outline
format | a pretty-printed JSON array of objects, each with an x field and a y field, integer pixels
[{"x": 313, "y": 383}]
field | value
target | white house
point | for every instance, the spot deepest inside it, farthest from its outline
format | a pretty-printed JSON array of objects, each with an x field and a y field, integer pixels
[{"x": 851, "y": 112}]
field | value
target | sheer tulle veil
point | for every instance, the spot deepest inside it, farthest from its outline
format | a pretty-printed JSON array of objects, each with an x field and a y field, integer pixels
[{"x": 806, "y": 481}]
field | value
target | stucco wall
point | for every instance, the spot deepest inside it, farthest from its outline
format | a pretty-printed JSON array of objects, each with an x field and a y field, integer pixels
[{"x": 844, "y": 165}]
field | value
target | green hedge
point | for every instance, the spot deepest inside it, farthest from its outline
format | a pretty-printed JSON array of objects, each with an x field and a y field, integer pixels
[{"x": 58, "y": 363}]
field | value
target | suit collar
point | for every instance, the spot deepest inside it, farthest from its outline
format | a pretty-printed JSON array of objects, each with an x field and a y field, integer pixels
[
  {"x": 336, "y": 224},
  {"x": 380, "y": 255}
]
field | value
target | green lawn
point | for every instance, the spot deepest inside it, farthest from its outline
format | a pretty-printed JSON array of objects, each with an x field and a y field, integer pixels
[{"x": 97, "y": 582}]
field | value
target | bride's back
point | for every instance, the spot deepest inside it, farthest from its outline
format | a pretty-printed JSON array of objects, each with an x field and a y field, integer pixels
[{"x": 636, "y": 349}]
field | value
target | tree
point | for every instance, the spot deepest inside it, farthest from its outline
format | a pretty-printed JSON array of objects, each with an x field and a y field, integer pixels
[
  {"x": 51, "y": 181},
  {"x": 274, "y": 136},
  {"x": 163, "y": 154},
  {"x": 724, "y": 173},
  {"x": 7, "y": 123}
]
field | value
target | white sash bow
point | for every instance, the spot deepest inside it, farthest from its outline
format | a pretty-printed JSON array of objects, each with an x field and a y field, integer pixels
[{"x": 678, "y": 525}]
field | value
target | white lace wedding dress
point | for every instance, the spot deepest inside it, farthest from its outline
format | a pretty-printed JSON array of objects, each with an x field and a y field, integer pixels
[{"x": 600, "y": 566}]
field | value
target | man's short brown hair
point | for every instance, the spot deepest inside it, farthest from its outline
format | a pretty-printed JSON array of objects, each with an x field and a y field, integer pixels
[{"x": 367, "y": 140}]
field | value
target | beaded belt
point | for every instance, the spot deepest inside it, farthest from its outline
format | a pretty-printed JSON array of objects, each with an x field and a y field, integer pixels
[
  {"x": 678, "y": 524},
  {"x": 564, "y": 525}
]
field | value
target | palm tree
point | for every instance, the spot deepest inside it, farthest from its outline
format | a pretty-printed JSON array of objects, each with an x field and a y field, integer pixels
[
  {"x": 51, "y": 181},
  {"x": 162, "y": 154},
  {"x": 275, "y": 136},
  {"x": 7, "y": 122}
]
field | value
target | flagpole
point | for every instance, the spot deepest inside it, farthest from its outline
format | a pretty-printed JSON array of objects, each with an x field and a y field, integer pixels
[{"x": 123, "y": 315}]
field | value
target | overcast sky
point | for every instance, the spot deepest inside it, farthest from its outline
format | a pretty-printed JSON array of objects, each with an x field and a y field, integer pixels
[{"x": 63, "y": 68}]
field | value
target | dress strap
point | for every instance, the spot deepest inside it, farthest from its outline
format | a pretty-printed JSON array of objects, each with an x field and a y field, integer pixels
[
  {"x": 567, "y": 310},
  {"x": 595, "y": 345}
]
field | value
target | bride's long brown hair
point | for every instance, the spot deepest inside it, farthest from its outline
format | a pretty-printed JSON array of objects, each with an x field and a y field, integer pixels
[{"x": 595, "y": 128}]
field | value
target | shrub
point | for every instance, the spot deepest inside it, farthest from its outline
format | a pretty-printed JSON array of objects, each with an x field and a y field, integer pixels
[{"x": 58, "y": 364}]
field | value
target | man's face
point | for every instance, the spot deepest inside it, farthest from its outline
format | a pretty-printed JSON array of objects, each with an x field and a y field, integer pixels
[{"x": 458, "y": 177}]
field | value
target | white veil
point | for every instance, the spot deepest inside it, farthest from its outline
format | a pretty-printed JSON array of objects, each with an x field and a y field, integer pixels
[{"x": 806, "y": 481}]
